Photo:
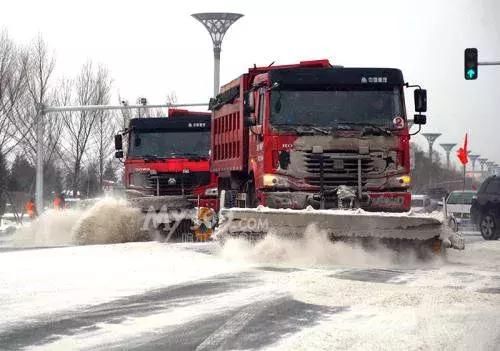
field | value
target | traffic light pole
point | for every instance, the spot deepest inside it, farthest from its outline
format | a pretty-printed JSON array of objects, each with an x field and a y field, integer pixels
[{"x": 490, "y": 63}]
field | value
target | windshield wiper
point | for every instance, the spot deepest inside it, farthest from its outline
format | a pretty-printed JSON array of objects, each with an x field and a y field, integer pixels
[
  {"x": 186, "y": 154},
  {"x": 366, "y": 124},
  {"x": 192, "y": 154},
  {"x": 151, "y": 157},
  {"x": 302, "y": 128}
]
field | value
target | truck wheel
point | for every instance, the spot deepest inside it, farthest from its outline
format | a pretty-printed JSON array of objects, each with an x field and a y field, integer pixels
[{"x": 489, "y": 227}]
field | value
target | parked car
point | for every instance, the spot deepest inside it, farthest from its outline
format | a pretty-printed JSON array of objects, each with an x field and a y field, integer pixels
[
  {"x": 458, "y": 205},
  {"x": 436, "y": 193},
  {"x": 421, "y": 204},
  {"x": 485, "y": 210}
]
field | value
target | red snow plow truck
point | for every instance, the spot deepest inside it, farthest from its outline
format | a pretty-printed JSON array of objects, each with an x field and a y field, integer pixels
[
  {"x": 167, "y": 171},
  {"x": 314, "y": 143}
]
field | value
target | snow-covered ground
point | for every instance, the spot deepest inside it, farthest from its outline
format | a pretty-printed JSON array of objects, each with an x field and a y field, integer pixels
[{"x": 293, "y": 295}]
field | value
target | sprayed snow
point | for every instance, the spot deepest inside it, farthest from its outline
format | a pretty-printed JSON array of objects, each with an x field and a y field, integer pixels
[
  {"x": 109, "y": 220},
  {"x": 313, "y": 249}
]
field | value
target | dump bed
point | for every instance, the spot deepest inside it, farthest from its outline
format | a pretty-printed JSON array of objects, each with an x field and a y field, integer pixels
[{"x": 229, "y": 133}]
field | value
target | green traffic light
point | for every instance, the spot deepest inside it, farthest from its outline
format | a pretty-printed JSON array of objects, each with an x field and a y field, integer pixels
[
  {"x": 470, "y": 64},
  {"x": 471, "y": 73}
]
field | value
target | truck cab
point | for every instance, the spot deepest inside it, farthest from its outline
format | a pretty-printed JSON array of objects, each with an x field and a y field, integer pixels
[
  {"x": 314, "y": 134},
  {"x": 170, "y": 156}
]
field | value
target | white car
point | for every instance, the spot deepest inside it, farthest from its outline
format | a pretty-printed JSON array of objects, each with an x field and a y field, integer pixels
[
  {"x": 421, "y": 203},
  {"x": 458, "y": 205}
]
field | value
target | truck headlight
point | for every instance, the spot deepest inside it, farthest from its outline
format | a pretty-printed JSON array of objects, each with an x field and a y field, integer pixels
[
  {"x": 211, "y": 192},
  {"x": 139, "y": 179},
  {"x": 403, "y": 181},
  {"x": 273, "y": 180}
]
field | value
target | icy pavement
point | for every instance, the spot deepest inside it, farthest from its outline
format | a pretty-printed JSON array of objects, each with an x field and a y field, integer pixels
[{"x": 153, "y": 296}]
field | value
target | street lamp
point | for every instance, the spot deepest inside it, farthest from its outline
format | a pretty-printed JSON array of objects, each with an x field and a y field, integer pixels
[
  {"x": 431, "y": 138},
  {"x": 217, "y": 24},
  {"x": 473, "y": 159},
  {"x": 447, "y": 148},
  {"x": 482, "y": 163},
  {"x": 490, "y": 165}
]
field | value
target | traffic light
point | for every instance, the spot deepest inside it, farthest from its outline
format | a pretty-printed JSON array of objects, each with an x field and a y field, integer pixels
[{"x": 470, "y": 64}]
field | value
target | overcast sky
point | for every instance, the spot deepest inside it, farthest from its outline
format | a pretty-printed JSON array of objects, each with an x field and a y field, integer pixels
[{"x": 154, "y": 47}]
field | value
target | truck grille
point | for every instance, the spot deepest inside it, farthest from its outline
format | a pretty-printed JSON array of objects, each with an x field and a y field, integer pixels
[
  {"x": 338, "y": 168},
  {"x": 177, "y": 183}
]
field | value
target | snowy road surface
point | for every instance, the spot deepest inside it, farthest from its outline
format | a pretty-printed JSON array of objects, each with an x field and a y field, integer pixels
[{"x": 154, "y": 296}]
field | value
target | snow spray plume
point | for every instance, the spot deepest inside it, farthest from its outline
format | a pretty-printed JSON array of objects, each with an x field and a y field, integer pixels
[
  {"x": 109, "y": 220},
  {"x": 52, "y": 228},
  {"x": 312, "y": 249}
]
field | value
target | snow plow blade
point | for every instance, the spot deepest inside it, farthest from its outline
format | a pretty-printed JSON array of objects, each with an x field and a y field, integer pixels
[
  {"x": 174, "y": 217},
  {"x": 338, "y": 225}
]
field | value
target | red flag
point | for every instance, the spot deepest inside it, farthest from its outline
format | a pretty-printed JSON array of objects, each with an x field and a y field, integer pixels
[{"x": 462, "y": 153}]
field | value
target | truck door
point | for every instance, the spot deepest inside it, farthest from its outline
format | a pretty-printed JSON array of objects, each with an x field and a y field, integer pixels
[{"x": 256, "y": 135}]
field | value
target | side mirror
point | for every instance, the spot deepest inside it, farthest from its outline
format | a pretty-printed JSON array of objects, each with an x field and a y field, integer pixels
[
  {"x": 119, "y": 154},
  {"x": 249, "y": 103},
  {"x": 420, "y": 96},
  {"x": 118, "y": 142},
  {"x": 420, "y": 119}
]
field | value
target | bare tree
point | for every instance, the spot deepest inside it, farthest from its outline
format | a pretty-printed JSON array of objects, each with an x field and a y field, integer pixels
[
  {"x": 125, "y": 115},
  {"x": 13, "y": 82},
  {"x": 105, "y": 128},
  {"x": 171, "y": 97},
  {"x": 91, "y": 87},
  {"x": 40, "y": 68}
]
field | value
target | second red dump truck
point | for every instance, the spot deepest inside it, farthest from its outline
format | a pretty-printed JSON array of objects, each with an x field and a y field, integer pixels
[{"x": 167, "y": 165}]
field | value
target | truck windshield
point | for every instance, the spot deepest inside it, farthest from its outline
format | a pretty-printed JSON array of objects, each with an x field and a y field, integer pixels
[
  {"x": 169, "y": 144},
  {"x": 331, "y": 108}
]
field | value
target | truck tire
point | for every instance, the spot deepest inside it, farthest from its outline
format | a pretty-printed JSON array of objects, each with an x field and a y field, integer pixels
[{"x": 488, "y": 225}]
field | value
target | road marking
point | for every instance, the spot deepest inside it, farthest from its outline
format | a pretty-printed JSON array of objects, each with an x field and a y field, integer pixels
[{"x": 233, "y": 326}]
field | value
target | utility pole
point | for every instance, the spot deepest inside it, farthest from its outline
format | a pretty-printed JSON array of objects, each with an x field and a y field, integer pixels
[
  {"x": 217, "y": 24},
  {"x": 447, "y": 148},
  {"x": 431, "y": 138},
  {"x": 39, "y": 158},
  {"x": 43, "y": 110}
]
